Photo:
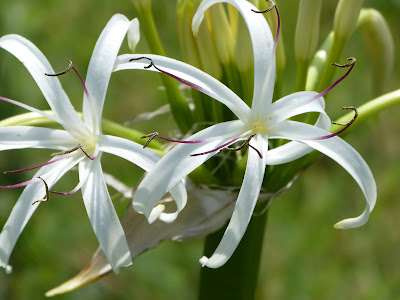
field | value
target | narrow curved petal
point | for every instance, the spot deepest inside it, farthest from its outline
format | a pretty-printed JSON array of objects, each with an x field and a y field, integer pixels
[
  {"x": 102, "y": 215},
  {"x": 177, "y": 163},
  {"x": 206, "y": 83},
  {"x": 294, "y": 150},
  {"x": 343, "y": 154},
  {"x": 262, "y": 42},
  {"x": 128, "y": 150},
  {"x": 37, "y": 65},
  {"x": 244, "y": 207},
  {"x": 24, "y": 209},
  {"x": 19, "y": 137},
  {"x": 288, "y": 106},
  {"x": 101, "y": 66},
  {"x": 146, "y": 159}
]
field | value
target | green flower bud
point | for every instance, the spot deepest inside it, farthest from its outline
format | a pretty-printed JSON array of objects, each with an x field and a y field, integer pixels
[
  {"x": 187, "y": 41},
  {"x": 379, "y": 39},
  {"x": 222, "y": 33},
  {"x": 346, "y": 17},
  {"x": 142, "y": 4},
  {"x": 307, "y": 30}
]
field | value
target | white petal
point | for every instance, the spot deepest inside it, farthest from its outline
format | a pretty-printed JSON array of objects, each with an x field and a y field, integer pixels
[
  {"x": 24, "y": 209},
  {"x": 343, "y": 154},
  {"x": 146, "y": 159},
  {"x": 177, "y": 163},
  {"x": 133, "y": 35},
  {"x": 102, "y": 215},
  {"x": 128, "y": 150},
  {"x": 244, "y": 207},
  {"x": 294, "y": 150},
  {"x": 262, "y": 41},
  {"x": 18, "y": 137},
  {"x": 208, "y": 84},
  {"x": 100, "y": 67},
  {"x": 37, "y": 65}
]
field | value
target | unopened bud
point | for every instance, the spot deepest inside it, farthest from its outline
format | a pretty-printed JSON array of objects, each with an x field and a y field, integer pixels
[
  {"x": 307, "y": 30},
  {"x": 142, "y": 4},
  {"x": 346, "y": 17},
  {"x": 133, "y": 34},
  {"x": 379, "y": 39}
]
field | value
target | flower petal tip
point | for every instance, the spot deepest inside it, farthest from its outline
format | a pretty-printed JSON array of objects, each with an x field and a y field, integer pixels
[
  {"x": 155, "y": 213},
  {"x": 203, "y": 261}
]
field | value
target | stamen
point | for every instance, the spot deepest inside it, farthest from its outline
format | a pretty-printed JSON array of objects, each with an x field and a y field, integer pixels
[
  {"x": 154, "y": 135},
  {"x": 192, "y": 85},
  {"x": 246, "y": 143},
  {"x": 63, "y": 72},
  {"x": 346, "y": 125},
  {"x": 35, "y": 167},
  {"x": 266, "y": 10},
  {"x": 47, "y": 193},
  {"x": 79, "y": 146},
  {"x": 25, "y": 183},
  {"x": 218, "y": 148}
]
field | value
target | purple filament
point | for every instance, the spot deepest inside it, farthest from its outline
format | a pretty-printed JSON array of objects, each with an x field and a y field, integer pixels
[
  {"x": 35, "y": 167},
  {"x": 25, "y": 183},
  {"x": 218, "y": 148}
]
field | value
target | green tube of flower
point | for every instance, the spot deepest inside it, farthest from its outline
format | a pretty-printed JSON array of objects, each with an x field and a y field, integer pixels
[
  {"x": 346, "y": 17},
  {"x": 380, "y": 42}
]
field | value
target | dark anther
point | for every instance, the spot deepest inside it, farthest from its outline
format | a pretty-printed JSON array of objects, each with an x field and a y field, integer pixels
[
  {"x": 79, "y": 146},
  {"x": 352, "y": 120},
  {"x": 143, "y": 57},
  {"x": 47, "y": 193},
  {"x": 151, "y": 136},
  {"x": 265, "y": 10},
  {"x": 351, "y": 63},
  {"x": 245, "y": 143},
  {"x": 63, "y": 72},
  {"x": 67, "y": 151}
]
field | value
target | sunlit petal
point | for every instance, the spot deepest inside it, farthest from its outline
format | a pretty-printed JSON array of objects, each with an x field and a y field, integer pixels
[
  {"x": 244, "y": 207},
  {"x": 101, "y": 65},
  {"x": 102, "y": 215}
]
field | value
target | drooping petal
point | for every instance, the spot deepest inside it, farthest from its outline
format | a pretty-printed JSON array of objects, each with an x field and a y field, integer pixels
[
  {"x": 19, "y": 137},
  {"x": 145, "y": 159},
  {"x": 24, "y": 209},
  {"x": 102, "y": 215},
  {"x": 262, "y": 42},
  {"x": 177, "y": 163},
  {"x": 100, "y": 68},
  {"x": 204, "y": 82},
  {"x": 244, "y": 207},
  {"x": 343, "y": 154},
  {"x": 38, "y": 66},
  {"x": 294, "y": 150}
]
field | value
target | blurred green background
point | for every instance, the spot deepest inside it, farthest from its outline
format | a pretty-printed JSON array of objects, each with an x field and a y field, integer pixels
[{"x": 304, "y": 257}]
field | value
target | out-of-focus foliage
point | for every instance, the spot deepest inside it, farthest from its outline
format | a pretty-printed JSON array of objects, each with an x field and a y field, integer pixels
[{"x": 304, "y": 257}]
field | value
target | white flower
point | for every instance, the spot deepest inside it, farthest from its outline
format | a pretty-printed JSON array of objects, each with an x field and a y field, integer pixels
[
  {"x": 265, "y": 120},
  {"x": 84, "y": 137}
]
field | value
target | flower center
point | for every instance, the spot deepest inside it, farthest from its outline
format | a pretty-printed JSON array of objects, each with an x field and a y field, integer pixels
[{"x": 258, "y": 127}]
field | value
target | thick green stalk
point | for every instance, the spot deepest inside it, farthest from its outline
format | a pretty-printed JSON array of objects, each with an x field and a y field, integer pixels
[
  {"x": 179, "y": 107},
  {"x": 237, "y": 279}
]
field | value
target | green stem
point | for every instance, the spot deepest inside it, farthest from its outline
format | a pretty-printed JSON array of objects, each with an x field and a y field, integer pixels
[
  {"x": 237, "y": 279},
  {"x": 179, "y": 107}
]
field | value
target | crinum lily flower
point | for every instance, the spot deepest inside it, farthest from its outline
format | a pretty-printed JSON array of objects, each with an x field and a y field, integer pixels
[
  {"x": 81, "y": 142},
  {"x": 256, "y": 125}
]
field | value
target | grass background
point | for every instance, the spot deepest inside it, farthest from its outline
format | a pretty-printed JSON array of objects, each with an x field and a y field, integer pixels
[{"x": 304, "y": 257}]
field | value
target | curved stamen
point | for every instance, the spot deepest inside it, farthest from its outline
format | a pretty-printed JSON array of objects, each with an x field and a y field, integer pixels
[
  {"x": 47, "y": 193},
  {"x": 73, "y": 191},
  {"x": 192, "y": 85},
  {"x": 25, "y": 183},
  {"x": 266, "y": 10},
  {"x": 154, "y": 135},
  {"x": 245, "y": 143},
  {"x": 79, "y": 146},
  {"x": 35, "y": 167},
  {"x": 63, "y": 72},
  {"x": 346, "y": 125},
  {"x": 218, "y": 148}
]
